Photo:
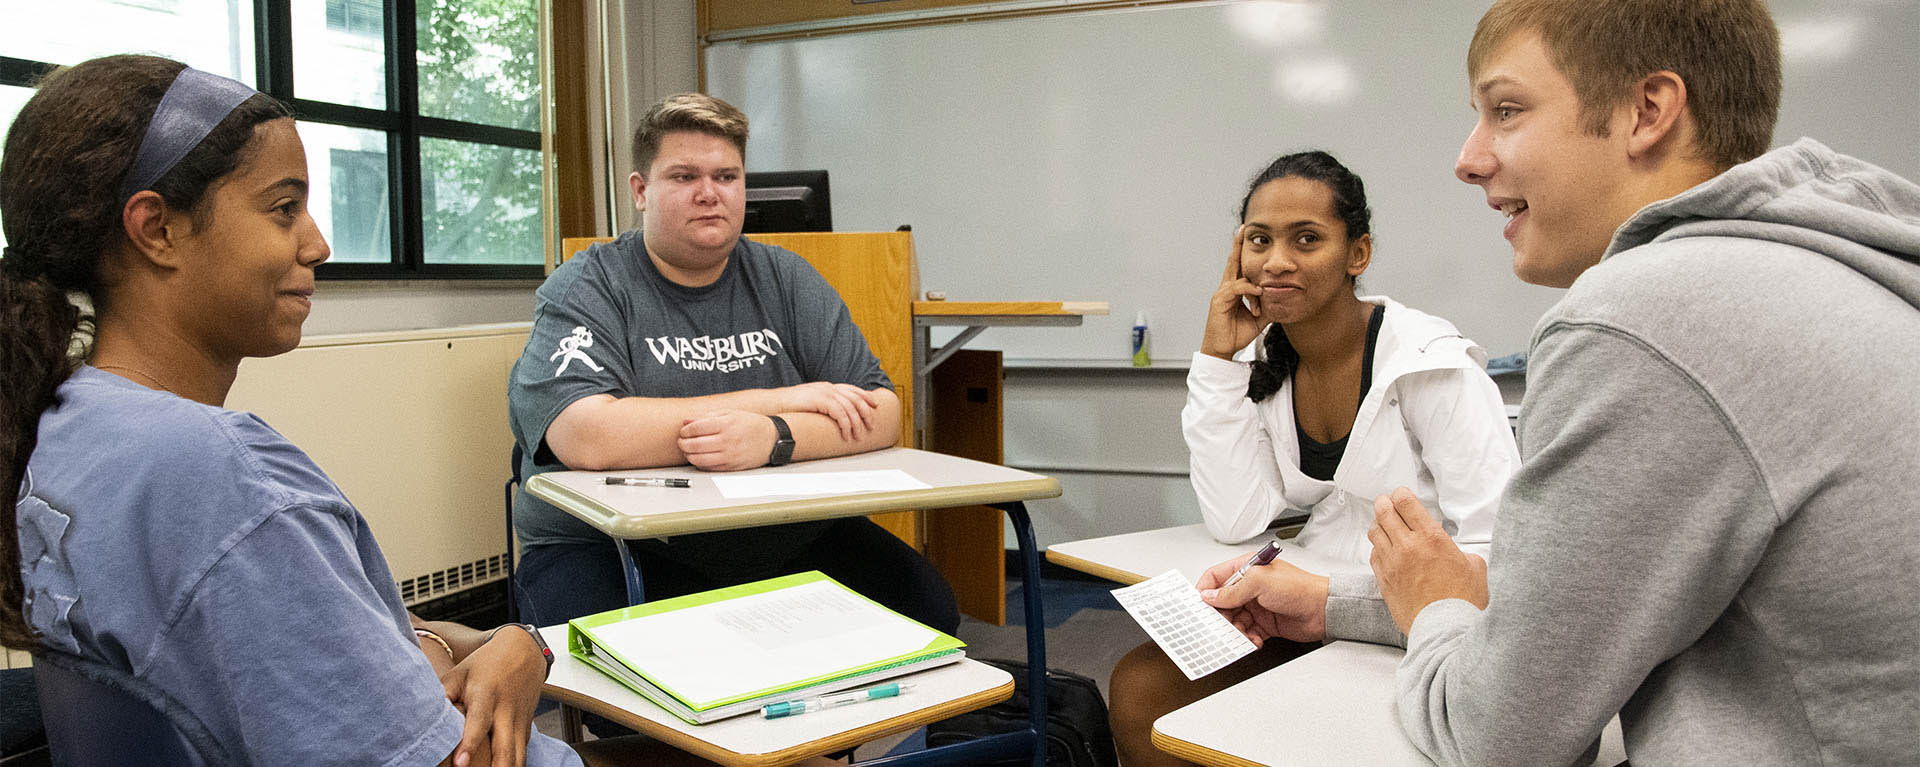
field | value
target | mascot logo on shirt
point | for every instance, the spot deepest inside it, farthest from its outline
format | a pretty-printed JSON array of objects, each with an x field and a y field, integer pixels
[
  {"x": 570, "y": 350},
  {"x": 725, "y": 354}
]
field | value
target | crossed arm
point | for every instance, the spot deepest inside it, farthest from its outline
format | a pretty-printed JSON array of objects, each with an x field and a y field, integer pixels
[{"x": 723, "y": 432}]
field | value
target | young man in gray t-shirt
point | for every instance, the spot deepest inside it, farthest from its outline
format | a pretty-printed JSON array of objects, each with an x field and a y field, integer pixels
[{"x": 683, "y": 343}]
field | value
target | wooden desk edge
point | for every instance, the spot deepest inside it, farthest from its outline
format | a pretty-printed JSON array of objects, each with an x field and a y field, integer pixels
[
  {"x": 1071, "y": 562},
  {"x": 784, "y": 509},
  {"x": 1196, "y": 753},
  {"x": 693, "y": 745},
  {"x": 941, "y": 308}
]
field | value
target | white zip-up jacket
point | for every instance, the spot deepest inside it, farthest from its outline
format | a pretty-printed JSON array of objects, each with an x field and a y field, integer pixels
[{"x": 1432, "y": 422}]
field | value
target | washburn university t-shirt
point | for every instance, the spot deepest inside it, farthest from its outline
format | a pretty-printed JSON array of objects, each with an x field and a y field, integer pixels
[
  {"x": 199, "y": 550},
  {"x": 607, "y": 322}
]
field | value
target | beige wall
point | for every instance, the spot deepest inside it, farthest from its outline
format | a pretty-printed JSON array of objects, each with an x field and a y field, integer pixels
[{"x": 661, "y": 57}]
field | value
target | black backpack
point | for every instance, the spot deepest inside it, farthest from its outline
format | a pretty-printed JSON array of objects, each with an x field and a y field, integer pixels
[{"x": 1077, "y": 730}]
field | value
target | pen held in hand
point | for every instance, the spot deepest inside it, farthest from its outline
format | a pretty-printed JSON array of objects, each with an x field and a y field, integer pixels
[
  {"x": 650, "y": 481},
  {"x": 1261, "y": 557},
  {"x": 834, "y": 700}
]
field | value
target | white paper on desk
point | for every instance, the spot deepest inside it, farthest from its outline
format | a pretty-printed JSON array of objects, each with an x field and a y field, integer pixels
[
  {"x": 716, "y": 651},
  {"x": 818, "y": 483},
  {"x": 1197, "y": 637}
]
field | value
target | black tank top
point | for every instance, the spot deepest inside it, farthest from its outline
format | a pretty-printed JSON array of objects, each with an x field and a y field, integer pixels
[{"x": 1320, "y": 460}]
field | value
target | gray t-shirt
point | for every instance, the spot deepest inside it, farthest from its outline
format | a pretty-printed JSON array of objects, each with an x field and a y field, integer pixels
[
  {"x": 607, "y": 322},
  {"x": 198, "y": 550}
]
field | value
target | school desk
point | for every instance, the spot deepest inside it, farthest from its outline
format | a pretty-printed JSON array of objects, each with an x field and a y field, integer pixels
[
  {"x": 750, "y": 740},
  {"x": 1134, "y": 557},
  {"x": 651, "y": 512},
  {"x": 1333, "y": 706}
]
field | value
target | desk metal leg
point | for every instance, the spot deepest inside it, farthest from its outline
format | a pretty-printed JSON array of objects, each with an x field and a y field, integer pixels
[
  {"x": 1036, "y": 628},
  {"x": 992, "y": 748},
  {"x": 569, "y": 724},
  {"x": 1033, "y": 740},
  {"x": 922, "y": 346},
  {"x": 635, "y": 593}
]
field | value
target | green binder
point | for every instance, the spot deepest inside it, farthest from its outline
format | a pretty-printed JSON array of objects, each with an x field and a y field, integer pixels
[{"x": 729, "y": 651}]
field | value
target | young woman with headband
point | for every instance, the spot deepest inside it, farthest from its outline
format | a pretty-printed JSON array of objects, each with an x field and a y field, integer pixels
[
  {"x": 1305, "y": 396},
  {"x": 157, "y": 235}
]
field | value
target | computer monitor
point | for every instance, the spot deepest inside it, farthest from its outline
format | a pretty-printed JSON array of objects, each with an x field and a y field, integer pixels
[{"x": 788, "y": 201}]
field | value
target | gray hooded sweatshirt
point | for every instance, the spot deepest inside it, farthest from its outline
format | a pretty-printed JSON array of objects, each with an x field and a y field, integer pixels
[{"x": 1715, "y": 531}]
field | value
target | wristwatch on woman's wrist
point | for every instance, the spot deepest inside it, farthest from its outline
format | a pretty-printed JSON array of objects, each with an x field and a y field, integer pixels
[{"x": 546, "y": 652}]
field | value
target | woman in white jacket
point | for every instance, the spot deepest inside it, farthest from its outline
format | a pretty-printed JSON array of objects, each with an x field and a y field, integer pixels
[{"x": 1304, "y": 396}]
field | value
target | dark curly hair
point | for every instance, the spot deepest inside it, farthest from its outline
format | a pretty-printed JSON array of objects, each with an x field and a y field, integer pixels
[
  {"x": 60, "y": 204},
  {"x": 1349, "y": 203}
]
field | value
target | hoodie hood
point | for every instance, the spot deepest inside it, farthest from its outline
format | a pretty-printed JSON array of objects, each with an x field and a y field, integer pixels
[{"x": 1804, "y": 195}]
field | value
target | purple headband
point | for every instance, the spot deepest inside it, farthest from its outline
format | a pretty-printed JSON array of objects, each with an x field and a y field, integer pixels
[{"x": 195, "y": 103}]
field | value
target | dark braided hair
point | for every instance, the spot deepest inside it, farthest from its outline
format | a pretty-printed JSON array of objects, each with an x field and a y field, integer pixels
[
  {"x": 1349, "y": 203},
  {"x": 60, "y": 205}
]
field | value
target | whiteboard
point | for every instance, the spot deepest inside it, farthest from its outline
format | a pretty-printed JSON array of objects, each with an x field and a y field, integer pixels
[{"x": 1103, "y": 155}]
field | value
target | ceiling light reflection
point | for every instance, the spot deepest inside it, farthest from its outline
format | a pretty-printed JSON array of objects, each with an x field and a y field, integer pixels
[
  {"x": 1314, "y": 81},
  {"x": 1819, "y": 41},
  {"x": 1277, "y": 23}
]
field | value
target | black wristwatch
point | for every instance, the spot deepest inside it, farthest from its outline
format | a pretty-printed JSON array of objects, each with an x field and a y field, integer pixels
[
  {"x": 782, "y": 444},
  {"x": 538, "y": 641}
]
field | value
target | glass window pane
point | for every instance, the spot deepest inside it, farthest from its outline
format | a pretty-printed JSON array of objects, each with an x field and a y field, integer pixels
[
  {"x": 11, "y": 100},
  {"x": 348, "y": 191},
  {"x": 212, "y": 35},
  {"x": 339, "y": 51},
  {"x": 480, "y": 203},
  {"x": 479, "y": 61}
]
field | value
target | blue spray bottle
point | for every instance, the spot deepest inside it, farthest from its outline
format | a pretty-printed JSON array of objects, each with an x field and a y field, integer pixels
[{"x": 1140, "y": 359}]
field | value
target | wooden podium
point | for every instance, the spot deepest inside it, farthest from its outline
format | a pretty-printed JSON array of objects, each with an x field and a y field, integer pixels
[{"x": 876, "y": 276}]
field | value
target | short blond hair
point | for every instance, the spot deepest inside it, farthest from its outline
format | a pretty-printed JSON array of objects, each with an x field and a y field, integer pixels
[
  {"x": 696, "y": 112},
  {"x": 1726, "y": 51}
]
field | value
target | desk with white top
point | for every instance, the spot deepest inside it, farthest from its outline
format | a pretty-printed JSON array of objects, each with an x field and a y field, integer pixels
[
  {"x": 752, "y": 741},
  {"x": 1333, "y": 706},
  {"x": 1134, "y": 557},
  {"x": 627, "y": 512}
]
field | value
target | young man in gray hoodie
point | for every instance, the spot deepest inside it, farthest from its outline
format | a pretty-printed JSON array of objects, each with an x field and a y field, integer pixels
[{"x": 1716, "y": 531}]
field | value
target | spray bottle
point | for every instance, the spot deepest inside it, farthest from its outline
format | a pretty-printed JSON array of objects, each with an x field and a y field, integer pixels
[{"x": 1140, "y": 358}]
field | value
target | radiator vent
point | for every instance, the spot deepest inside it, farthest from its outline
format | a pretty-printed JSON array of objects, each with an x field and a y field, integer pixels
[{"x": 453, "y": 579}]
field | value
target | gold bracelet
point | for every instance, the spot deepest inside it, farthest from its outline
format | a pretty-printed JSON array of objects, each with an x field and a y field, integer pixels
[{"x": 425, "y": 634}]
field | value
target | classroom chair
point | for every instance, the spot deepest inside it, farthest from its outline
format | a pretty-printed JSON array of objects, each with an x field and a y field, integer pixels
[
  {"x": 23, "y": 740},
  {"x": 636, "y": 592},
  {"x": 99, "y": 715}
]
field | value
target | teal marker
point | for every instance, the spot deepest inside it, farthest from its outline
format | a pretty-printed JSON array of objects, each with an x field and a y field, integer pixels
[{"x": 835, "y": 700}]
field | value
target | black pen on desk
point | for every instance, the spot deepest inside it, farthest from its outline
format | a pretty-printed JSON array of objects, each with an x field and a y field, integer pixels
[
  {"x": 650, "y": 481},
  {"x": 1261, "y": 557}
]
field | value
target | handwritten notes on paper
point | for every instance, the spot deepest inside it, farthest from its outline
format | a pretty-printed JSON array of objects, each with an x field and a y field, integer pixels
[{"x": 1197, "y": 637}]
